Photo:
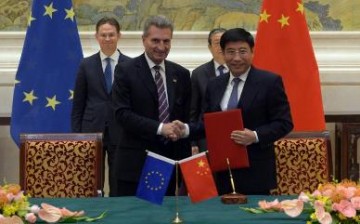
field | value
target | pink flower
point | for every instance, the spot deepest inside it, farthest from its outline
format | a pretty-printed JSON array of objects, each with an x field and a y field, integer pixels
[
  {"x": 11, "y": 220},
  {"x": 30, "y": 217},
  {"x": 322, "y": 216},
  {"x": 67, "y": 213},
  {"x": 355, "y": 201},
  {"x": 270, "y": 205},
  {"x": 34, "y": 209},
  {"x": 304, "y": 197},
  {"x": 345, "y": 207},
  {"x": 293, "y": 207},
  {"x": 49, "y": 213}
]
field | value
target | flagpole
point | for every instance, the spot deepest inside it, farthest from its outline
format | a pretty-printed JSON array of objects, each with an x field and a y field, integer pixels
[{"x": 177, "y": 218}]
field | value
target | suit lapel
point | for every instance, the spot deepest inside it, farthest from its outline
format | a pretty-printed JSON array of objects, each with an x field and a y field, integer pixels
[
  {"x": 100, "y": 73},
  {"x": 171, "y": 80},
  {"x": 221, "y": 84},
  {"x": 250, "y": 90},
  {"x": 145, "y": 76}
]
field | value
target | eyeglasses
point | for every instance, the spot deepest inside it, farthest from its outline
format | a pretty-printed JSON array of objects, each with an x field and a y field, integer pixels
[
  {"x": 233, "y": 52},
  {"x": 109, "y": 35}
]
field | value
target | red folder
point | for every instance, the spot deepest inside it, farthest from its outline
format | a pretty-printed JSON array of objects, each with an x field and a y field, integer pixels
[{"x": 218, "y": 127}]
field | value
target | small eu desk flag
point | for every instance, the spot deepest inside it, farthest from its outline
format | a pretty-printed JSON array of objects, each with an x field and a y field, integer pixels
[
  {"x": 155, "y": 178},
  {"x": 47, "y": 70}
]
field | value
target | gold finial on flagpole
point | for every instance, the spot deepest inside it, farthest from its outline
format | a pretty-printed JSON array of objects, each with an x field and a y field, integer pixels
[{"x": 177, "y": 218}]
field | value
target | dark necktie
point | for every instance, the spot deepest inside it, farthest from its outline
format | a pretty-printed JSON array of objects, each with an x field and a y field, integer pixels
[
  {"x": 221, "y": 69},
  {"x": 108, "y": 74},
  {"x": 233, "y": 100},
  {"x": 163, "y": 104}
]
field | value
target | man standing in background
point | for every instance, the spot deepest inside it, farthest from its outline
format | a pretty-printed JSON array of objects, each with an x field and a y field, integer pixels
[
  {"x": 199, "y": 79},
  {"x": 92, "y": 109}
]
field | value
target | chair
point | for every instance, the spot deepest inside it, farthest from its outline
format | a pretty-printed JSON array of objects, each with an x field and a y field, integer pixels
[
  {"x": 303, "y": 161},
  {"x": 61, "y": 165}
]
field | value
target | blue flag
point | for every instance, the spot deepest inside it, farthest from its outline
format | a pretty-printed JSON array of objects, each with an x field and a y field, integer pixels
[
  {"x": 47, "y": 70},
  {"x": 155, "y": 178}
]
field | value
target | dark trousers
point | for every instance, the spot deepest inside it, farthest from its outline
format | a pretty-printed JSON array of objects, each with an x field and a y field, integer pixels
[{"x": 109, "y": 150}]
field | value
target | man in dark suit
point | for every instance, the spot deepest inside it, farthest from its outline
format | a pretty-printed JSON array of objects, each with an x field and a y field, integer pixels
[
  {"x": 265, "y": 109},
  {"x": 144, "y": 110},
  {"x": 92, "y": 110},
  {"x": 199, "y": 79}
]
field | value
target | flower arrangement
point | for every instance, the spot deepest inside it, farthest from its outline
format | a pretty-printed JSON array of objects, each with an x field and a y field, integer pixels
[
  {"x": 16, "y": 209},
  {"x": 331, "y": 203}
]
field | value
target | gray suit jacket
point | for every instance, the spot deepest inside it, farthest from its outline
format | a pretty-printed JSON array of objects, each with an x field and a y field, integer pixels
[{"x": 92, "y": 109}]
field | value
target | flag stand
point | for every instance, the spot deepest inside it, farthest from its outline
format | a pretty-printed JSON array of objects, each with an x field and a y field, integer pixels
[{"x": 177, "y": 218}]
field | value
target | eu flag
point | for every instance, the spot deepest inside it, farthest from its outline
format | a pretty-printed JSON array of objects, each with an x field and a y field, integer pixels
[
  {"x": 155, "y": 178},
  {"x": 46, "y": 74}
]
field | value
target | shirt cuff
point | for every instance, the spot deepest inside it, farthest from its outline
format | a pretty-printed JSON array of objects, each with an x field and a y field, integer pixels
[
  {"x": 256, "y": 136},
  {"x": 159, "y": 129}
]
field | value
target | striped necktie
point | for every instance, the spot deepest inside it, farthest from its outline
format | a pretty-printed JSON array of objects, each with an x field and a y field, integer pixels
[{"x": 163, "y": 103}]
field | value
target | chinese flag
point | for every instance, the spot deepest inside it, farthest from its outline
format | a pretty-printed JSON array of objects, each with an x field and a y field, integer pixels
[
  {"x": 198, "y": 178},
  {"x": 283, "y": 45}
]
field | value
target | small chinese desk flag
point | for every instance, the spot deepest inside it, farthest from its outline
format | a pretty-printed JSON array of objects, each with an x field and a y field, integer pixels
[
  {"x": 47, "y": 70},
  {"x": 155, "y": 178},
  {"x": 198, "y": 177},
  {"x": 283, "y": 46}
]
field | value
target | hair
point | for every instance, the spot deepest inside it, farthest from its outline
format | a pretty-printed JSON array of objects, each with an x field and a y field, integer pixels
[
  {"x": 159, "y": 21},
  {"x": 215, "y": 31},
  {"x": 108, "y": 20},
  {"x": 236, "y": 34}
]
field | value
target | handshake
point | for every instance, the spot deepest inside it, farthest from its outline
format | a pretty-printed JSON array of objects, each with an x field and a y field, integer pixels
[{"x": 174, "y": 130}]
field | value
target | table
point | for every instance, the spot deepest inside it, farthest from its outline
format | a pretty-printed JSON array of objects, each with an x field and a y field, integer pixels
[{"x": 131, "y": 210}]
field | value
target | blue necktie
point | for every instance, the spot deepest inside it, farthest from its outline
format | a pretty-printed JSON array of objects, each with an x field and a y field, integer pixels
[
  {"x": 221, "y": 69},
  {"x": 233, "y": 100},
  {"x": 163, "y": 104},
  {"x": 108, "y": 74}
]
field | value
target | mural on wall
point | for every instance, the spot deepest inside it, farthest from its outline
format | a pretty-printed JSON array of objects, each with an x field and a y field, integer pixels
[{"x": 189, "y": 15}]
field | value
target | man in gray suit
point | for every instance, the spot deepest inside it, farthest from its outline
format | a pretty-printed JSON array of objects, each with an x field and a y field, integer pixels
[
  {"x": 92, "y": 109},
  {"x": 199, "y": 79}
]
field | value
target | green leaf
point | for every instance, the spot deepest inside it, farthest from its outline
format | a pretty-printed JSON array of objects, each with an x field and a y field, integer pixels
[
  {"x": 83, "y": 218},
  {"x": 255, "y": 210}
]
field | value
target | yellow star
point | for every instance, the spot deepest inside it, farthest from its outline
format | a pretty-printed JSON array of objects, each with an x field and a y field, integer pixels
[
  {"x": 49, "y": 10},
  {"x": 284, "y": 21},
  {"x": 300, "y": 8},
  {"x": 70, "y": 14},
  {"x": 71, "y": 94},
  {"x": 52, "y": 102},
  {"x": 30, "y": 19},
  {"x": 264, "y": 16},
  {"x": 16, "y": 81},
  {"x": 29, "y": 97},
  {"x": 201, "y": 163}
]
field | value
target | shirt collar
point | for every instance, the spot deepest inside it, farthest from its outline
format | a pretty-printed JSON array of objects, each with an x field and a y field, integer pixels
[
  {"x": 243, "y": 76},
  {"x": 152, "y": 64},
  {"x": 115, "y": 56}
]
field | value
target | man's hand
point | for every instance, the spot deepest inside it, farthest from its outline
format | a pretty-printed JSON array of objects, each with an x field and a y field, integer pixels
[
  {"x": 244, "y": 137},
  {"x": 171, "y": 131}
]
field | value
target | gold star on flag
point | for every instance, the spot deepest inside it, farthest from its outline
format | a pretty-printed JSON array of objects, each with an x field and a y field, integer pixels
[
  {"x": 30, "y": 19},
  {"x": 29, "y": 97},
  {"x": 264, "y": 17},
  {"x": 300, "y": 8},
  {"x": 70, "y": 14},
  {"x": 49, "y": 10},
  {"x": 52, "y": 102},
  {"x": 284, "y": 21},
  {"x": 201, "y": 163},
  {"x": 71, "y": 94},
  {"x": 16, "y": 81}
]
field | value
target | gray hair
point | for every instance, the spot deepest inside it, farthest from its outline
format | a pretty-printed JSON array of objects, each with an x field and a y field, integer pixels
[{"x": 159, "y": 21}]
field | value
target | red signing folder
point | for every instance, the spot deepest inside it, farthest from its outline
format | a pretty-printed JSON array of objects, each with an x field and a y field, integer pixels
[{"x": 218, "y": 127}]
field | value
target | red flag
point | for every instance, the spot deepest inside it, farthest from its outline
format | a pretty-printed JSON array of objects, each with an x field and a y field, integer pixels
[
  {"x": 283, "y": 45},
  {"x": 198, "y": 177}
]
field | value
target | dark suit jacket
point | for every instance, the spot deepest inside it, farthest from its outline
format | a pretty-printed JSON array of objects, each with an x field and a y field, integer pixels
[
  {"x": 200, "y": 77},
  {"x": 136, "y": 110},
  {"x": 92, "y": 109},
  {"x": 265, "y": 109}
]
